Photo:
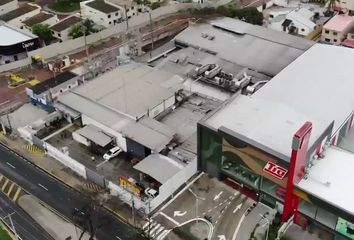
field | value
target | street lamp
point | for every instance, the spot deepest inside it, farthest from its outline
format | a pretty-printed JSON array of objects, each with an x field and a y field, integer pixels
[
  {"x": 263, "y": 217},
  {"x": 197, "y": 198}
]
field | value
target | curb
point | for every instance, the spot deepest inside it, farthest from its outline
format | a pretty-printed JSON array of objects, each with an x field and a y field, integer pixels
[{"x": 8, "y": 229}]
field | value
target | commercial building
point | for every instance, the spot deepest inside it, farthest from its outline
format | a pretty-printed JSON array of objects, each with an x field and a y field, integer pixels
[
  {"x": 17, "y": 16},
  {"x": 249, "y": 143},
  {"x": 62, "y": 28},
  {"x": 15, "y": 43},
  {"x": 255, "y": 47},
  {"x": 41, "y": 18},
  {"x": 101, "y": 12},
  {"x": 7, "y": 6},
  {"x": 337, "y": 28}
]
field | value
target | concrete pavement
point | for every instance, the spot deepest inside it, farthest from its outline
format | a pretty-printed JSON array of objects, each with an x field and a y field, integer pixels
[
  {"x": 61, "y": 198},
  {"x": 57, "y": 227}
]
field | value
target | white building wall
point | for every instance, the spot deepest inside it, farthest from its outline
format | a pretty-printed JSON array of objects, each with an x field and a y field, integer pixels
[
  {"x": 101, "y": 18},
  {"x": 155, "y": 111},
  {"x": 173, "y": 184},
  {"x": 347, "y": 4},
  {"x": 17, "y": 22},
  {"x": 8, "y": 7},
  {"x": 119, "y": 138}
]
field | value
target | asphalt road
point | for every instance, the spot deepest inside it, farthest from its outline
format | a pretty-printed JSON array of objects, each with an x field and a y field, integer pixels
[
  {"x": 24, "y": 225},
  {"x": 61, "y": 198}
]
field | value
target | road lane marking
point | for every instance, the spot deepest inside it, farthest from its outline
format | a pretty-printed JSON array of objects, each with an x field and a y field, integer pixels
[
  {"x": 5, "y": 184},
  {"x": 1, "y": 177},
  {"x": 42, "y": 186},
  {"x": 118, "y": 238},
  {"x": 145, "y": 225},
  {"x": 217, "y": 196},
  {"x": 238, "y": 207},
  {"x": 238, "y": 226},
  {"x": 10, "y": 165},
  {"x": 169, "y": 218},
  {"x": 17, "y": 194},
  {"x": 179, "y": 213},
  {"x": 10, "y": 189}
]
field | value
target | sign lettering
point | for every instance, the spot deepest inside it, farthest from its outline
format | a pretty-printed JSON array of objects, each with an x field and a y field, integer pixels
[
  {"x": 129, "y": 186},
  {"x": 275, "y": 170},
  {"x": 27, "y": 45}
]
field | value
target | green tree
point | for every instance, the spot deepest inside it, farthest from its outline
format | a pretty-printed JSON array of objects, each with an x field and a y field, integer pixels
[
  {"x": 78, "y": 29},
  {"x": 155, "y": 5},
  {"x": 43, "y": 32},
  {"x": 250, "y": 15}
]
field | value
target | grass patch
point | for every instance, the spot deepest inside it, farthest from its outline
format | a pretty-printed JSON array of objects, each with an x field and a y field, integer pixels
[
  {"x": 65, "y": 6},
  {"x": 4, "y": 235}
]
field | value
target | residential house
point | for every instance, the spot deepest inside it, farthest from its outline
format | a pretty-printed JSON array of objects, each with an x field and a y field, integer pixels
[
  {"x": 17, "y": 16},
  {"x": 61, "y": 29},
  {"x": 337, "y": 28},
  {"x": 40, "y": 18},
  {"x": 298, "y": 21},
  {"x": 102, "y": 13},
  {"x": 131, "y": 8},
  {"x": 7, "y": 6},
  {"x": 349, "y": 42},
  {"x": 346, "y": 5}
]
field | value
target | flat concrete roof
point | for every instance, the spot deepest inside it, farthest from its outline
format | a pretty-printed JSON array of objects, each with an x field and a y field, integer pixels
[
  {"x": 329, "y": 177},
  {"x": 132, "y": 89},
  {"x": 316, "y": 87},
  {"x": 247, "y": 45},
  {"x": 11, "y": 36}
]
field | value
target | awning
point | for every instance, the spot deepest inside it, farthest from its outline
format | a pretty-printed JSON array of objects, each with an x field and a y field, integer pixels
[
  {"x": 159, "y": 167},
  {"x": 95, "y": 134}
]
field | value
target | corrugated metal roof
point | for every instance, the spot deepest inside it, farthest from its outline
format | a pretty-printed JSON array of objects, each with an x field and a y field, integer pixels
[
  {"x": 159, "y": 167},
  {"x": 95, "y": 135}
]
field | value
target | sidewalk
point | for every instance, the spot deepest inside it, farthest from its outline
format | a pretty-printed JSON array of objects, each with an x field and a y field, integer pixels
[
  {"x": 68, "y": 177},
  {"x": 57, "y": 227}
]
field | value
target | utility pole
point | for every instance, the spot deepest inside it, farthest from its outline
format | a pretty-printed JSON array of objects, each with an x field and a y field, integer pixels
[
  {"x": 152, "y": 35},
  {"x": 126, "y": 17},
  {"x": 83, "y": 27}
]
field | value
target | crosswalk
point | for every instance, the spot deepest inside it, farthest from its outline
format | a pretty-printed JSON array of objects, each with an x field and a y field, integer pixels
[
  {"x": 92, "y": 187},
  {"x": 11, "y": 189},
  {"x": 155, "y": 230},
  {"x": 34, "y": 149}
]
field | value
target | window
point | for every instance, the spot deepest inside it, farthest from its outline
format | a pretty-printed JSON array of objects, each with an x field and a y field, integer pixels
[
  {"x": 327, "y": 40},
  {"x": 271, "y": 16},
  {"x": 109, "y": 15},
  {"x": 109, "y": 22},
  {"x": 116, "y": 14},
  {"x": 132, "y": 8},
  {"x": 59, "y": 35},
  {"x": 335, "y": 33},
  {"x": 69, "y": 86},
  {"x": 302, "y": 30},
  {"x": 326, "y": 31},
  {"x": 61, "y": 90},
  {"x": 334, "y": 40}
]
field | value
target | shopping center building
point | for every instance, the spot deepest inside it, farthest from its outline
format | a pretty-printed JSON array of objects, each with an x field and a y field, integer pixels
[{"x": 290, "y": 144}]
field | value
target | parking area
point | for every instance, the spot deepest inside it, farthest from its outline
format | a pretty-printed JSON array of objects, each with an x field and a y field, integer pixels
[
  {"x": 230, "y": 214},
  {"x": 92, "y": 157}
]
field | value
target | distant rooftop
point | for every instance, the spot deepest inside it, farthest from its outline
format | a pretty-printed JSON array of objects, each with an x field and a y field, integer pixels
[
  {"x": 255, "y": 47},
  {"x": 122, "y": 3},
  {"x": 26, "y": 8},
  {"x": 39, "y": 18},
  {"x": 65, "y": 23},
  {"x": 339, "y": 23},
  {"x": 301, "y": 92},
  {"x": 3, "y": 2},
  {"x": 102, "y": 6},
  {"x": 52, "y": 82},
  {"x": 10, "y": 35}
]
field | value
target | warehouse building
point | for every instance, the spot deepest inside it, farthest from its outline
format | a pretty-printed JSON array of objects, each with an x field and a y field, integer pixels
[{"x": 248, "y": 142}]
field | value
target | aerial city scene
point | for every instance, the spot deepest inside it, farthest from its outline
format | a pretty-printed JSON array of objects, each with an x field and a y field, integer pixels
[{"x": 176, "y": 119}]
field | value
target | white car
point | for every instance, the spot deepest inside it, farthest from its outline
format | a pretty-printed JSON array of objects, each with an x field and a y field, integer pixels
[{"x": 113, "y": 152}]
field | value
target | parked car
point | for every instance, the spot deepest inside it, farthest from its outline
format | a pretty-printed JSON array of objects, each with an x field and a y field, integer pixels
[{"x": 113, "y": 152}]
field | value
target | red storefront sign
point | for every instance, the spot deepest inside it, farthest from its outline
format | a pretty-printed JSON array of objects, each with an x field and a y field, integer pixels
[{"x": 275, "y": 170}]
